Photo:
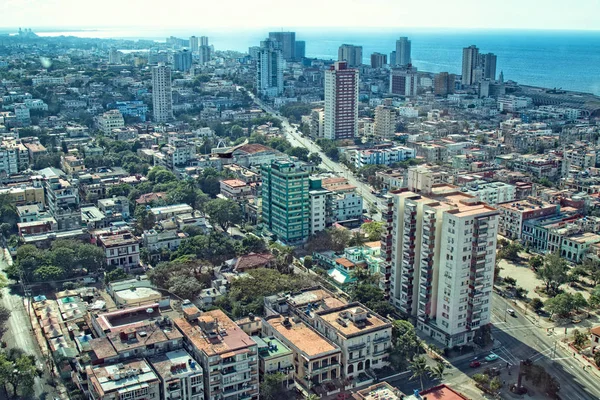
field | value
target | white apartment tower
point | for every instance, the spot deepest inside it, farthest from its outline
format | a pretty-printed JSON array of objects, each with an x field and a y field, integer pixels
[
  {"x": 402, "y": 52},
  {"x": 341, "y": 102},
  {"x": 269, "y": 69},
  {"x": 385, "y": 121},
  {"x": 440, "y": 252},
  {"x": 470, "y": 63},
  {"x": 162, "y": 100},
  {"x": 194, "y": 44}
]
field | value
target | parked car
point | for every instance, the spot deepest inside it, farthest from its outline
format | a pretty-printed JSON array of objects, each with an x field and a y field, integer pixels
[
  {"x": 492, "y": 357},
  {"x": 475, "y": 364}
]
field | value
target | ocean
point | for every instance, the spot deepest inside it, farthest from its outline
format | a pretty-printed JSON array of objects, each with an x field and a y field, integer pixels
[{"x": 555, "y": 59}]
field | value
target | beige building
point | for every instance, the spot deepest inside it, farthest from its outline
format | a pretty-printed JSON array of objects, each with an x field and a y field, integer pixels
[
  {"x": 112, "y": 119},
  {"x": 134, "y": 380},
  {"x": 180, "y": 376},
  {"x": 385, "y": 121}
]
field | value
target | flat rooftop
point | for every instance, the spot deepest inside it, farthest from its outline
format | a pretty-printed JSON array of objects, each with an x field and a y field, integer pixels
[
  {"x": 271, "y": 346},
  {"x": 121, "y": 377},
  {"x": 174, "y": 364},
  {"x": 340, "y": 319},
  {"x": 302, "y": 337}
]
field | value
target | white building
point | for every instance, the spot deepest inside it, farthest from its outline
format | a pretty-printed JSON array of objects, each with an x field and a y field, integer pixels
[
  {"x": 121, "y": 249},
  {"x": 47, "y": 80},
  {"x": 36, "y": 104},
  {"x": 177, "y": 153},
  {"x": 491, "y": 192},
  {"x": 134, "y": 380},
  {"x": 269, "y": 69},
  {"x": 386, "y": 156},
  {"x": 341, "y": 102},
  {"x": 402, "y": 52},
  {"x": 155, "y": 241},
  {"x": 112, "y": 119},
  {"x": 513, "y": 103},
  {"x": 351, "y": 54},
  {"x": 180, "y": 375},
  {"x": 114, "y": 57},
  {"x": 319, "y": 202},
  {"x": 22, "y": 114},
  {"x": 162, "y": 99},
  {"x": 385, "y": 121},
  {"x": 440, "y": 253}
]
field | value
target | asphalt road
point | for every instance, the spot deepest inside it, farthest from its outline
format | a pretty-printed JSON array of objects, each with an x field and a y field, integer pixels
[
  {"x": 520, "y": 338},
  {"x": 20, "y": 335},
  {"x": 296, "y": 139}
]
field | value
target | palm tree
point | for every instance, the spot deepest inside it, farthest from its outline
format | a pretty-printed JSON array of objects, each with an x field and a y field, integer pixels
[
  {"x": 312, "y": 396},
  {"x": 437, "y": 372},
  {"x": 419, "y": 367}
]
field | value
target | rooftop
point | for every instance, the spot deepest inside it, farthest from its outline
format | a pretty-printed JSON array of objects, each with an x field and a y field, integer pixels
[
  {"x": 234, "y": 183},
  {"x": 301, "y": 336},
  {"x": 175, "y": 363},
  {"x": 353, "y": 319},
  {"x": 215, "y": 333},
  {"x": 118, "y": 239},
  {"x": 121, "y": 377},
  {"x": 271, "y": 346}
]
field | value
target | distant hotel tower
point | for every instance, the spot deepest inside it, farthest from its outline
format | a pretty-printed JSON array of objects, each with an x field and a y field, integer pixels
[
  {"x": 470, "y": 62},
  {"x": 404, "y": 81},
  {"x": 269, "y": 69},
  {"x": 351, "y": 54},
  {"x": 402, "y": 52},
  {"x": 378, "y": 60},
  {"x": 162, "y": 100},
  {"x": 341, "y": 102},
  {"x": 286, "y": 43}
]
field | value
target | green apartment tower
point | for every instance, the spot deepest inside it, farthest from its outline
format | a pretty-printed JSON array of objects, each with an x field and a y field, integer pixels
[{"x": 285, "y": 202}]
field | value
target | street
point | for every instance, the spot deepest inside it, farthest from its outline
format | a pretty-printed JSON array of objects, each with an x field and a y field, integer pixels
[
  {"x": 296, "y": 139},
  {"x": 19, "y": 334}
]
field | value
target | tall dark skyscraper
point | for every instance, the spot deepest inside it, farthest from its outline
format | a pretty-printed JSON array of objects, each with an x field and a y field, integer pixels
[
  {"x": 488, "y": 63},
  {"x": 378, "y": 60},
  {"x": 470, "y": 62},
  {"x": 300, "y": 50},
  {"x": 402, "y": 52},
  {"x": 287, "y": 44}
]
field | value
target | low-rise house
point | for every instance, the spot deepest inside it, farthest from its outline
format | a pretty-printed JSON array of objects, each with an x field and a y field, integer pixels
[
  {"x": 155, "y": 241},
  {"x": 166, "y": 212},
  {"x": 236, "y": 189},
  {"x": 121, "y": 249},
  {"x": 253, "y": 261},
  {"x": 115, "y": 207}
]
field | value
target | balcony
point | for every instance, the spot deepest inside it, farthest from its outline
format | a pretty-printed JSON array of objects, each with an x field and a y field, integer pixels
[
  {"x": 356, "y": 346},
  {"x": 381, "y": 339}
]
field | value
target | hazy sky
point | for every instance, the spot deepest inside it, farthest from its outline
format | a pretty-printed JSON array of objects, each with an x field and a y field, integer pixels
[{"x": 518, "y": 14}]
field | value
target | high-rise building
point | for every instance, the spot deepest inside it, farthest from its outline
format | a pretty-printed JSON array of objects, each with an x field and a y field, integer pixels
[
  {"x": 402, "y": 52},
  {"x": 440, "y": 251},
  {"x": 287, "y": 44},
  {"x": 114, "y": 57},
  {"x": 488, "y": 64},
  {"x": 378, "y": 60},
  {"x": 404, "y": 81},
  {"x": 204, "y": 54},
  {"x": 470, "y": 63},
  {"x": 162, "y": 99},
  {"x": 300, "y": 50},
  {"x": 385, "y": 121},
  {"x": 443, "y": 84},
  {"x": 392, "y": 58},
  {"x": 269, "y": 69},
  {"x": 182, "y": 60},
  {"x": 351, "y": 54},
  {"x": 341, "y": 102},
  {"x": 194, "y": 44},
  {"x": 285, "y": 200},
  {"x": 203, "y": 40}
]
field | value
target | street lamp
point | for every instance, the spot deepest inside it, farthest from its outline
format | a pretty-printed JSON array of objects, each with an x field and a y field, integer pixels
[{"x": 505, "y": 311}]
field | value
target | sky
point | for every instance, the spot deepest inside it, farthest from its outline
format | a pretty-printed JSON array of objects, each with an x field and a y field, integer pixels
[{"x": 465, "y": 14}]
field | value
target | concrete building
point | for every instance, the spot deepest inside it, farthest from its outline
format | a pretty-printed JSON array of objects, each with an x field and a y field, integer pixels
[
  {"x": 470, "y": 63},
  {"x": 162, "y": 99},
  {"x": 378, "y": 60},
  {"x": 286, "y": 42},
  {"x": 194, "y": 43},
  {"x": 514, "y": 214},
  {"x": 22, "y": 114},
  {"x": 385, "y": 156},
  {"x": 134, "y": 108},
  {"x": 228, "y": 356},
  {"x": 300, "y": 50},
  {"x": 112, "y": 119},
  {"x": 285, "y": 200},
  {"x": 317, "y": 123},
  {"x": 351, "y": 54},
  {"x": 182, "y": 60},
  {"x": 444, "y": 83},
  {"x": 341, "y": 102},
  {"x": 275, "y": 357},
  {"x": 363, "y": 337},
  {"x": 14, "y": 157},
  {"x": 440, "y": 254},
  {"x": 403, "y": 57},
  {"x": 404, "y": 81},
  {"x": 179, "y": 374},
  {"x": 115, "y": 206},
  {"x": 488, "y": 64},
  {"x": 175, "y": 154},
  {"x": 155, "y": 241},
  {"x": 114, "y": 56},
  {"x": 491, "y": 193},
  {"x": 269, "y": 69},
  {"x": 204, "y": 53},
  {"x": 385, "y": 121},
  {"x": 316, "y": 359},
  {"x": 134, "y": 380},
  {"x": 320, "y": 209},
  {"x": 236, "y": 189},
  {"x": 121, "y": 249}
]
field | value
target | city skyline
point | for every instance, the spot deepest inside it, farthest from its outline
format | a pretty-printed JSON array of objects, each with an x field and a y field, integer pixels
[{"x": 458, "y": 14}]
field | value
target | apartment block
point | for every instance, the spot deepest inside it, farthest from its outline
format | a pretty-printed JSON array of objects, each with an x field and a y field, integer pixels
[
  {"x": 228, "y": 356},
  {"x": 134, "y": 380},
  {"x": 363, "y": 337},
  {"x": 285, "y": 200},
  {"x": 513, "y": 215},
  {"x": 112, "y": 119},
  {"x": 180, "y": 376},
  {"x": 316, "y": 359},
  {"x": 440, "y": 252},
  {"x": 385, "y": 121},
  {"x": 383, "y": 156},
  {"x": 275, "y": 357},
  {"x": 121, "y": 249},
  {"x": 341, "y": 102},
  {"x": 404, "y": 81}
]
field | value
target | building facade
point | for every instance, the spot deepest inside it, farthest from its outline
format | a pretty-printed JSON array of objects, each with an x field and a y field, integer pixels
[
  {"x": 404, "y": 81},
  {"x": 162, "y": 98},
  {"x": 341, "y": 102},
  {"x": 403, "y": 57},
  {"x": 351, "y": 54},
  {"x": 269, "y": 69}
]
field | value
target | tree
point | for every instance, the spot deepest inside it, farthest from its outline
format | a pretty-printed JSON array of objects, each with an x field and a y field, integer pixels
[
  {"x": 595, "y": 297},
  {"x": 561, "y": 304},
  {"x": 373, "y": 229},
  {"x": 308, "y": 262},
  {"x": 185, "y": 287},
  {"x": 536, "y": 262},
  {"x": 223, "y": 212},
  {"x": 272, "y": 387},
  {"x": 251, "y": 244},
  {"x": 510, "y": 252},
  {"x": 579, "y": 338},
  {"x": 591, "y": 265},
  {"x": 90, "y": 257},
  {"x": 144, "y": 218},
  {"x": 5, "y": 229},
  {"x": 406, "y": 344},
  {"x": 536, "y": 304},
  {"x": 553, "y": 273},
  {"x": 419, "y": 367},
  {"x": 63, "y": 258},
  {"x": 315, "y": 158},
  {"x": 340, "y": 237},
  {"x": 4, "y": 316},
  {"x": 495, "y": 384},
  {"x": 482, "y": 379},
  {"x": 300, "y": 152},
  {"x": 48, "y": 273},
  {"x": 438, "y": 371},
  {"x": 116, "y": 274}
]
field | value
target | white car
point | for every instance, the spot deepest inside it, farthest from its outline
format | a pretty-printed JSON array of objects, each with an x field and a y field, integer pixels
[{"x": 510, "y": 311}]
